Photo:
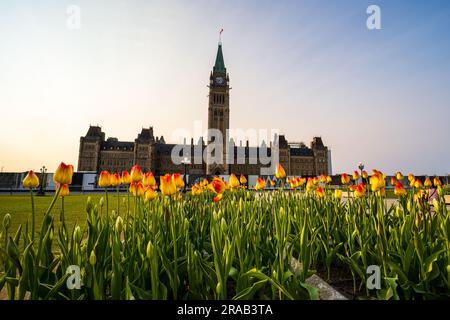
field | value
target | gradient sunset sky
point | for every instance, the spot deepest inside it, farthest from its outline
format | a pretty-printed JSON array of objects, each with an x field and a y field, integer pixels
[{"x": 304, "y": 67}]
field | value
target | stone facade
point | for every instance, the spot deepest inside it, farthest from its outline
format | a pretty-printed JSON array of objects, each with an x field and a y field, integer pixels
[{"x": 153, "y": 154}]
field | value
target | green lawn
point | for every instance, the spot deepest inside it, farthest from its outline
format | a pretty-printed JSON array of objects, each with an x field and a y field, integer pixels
[{"x": 19, "y": 207}]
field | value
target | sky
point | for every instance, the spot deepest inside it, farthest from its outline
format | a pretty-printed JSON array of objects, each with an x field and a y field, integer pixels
[{"x": 307, "y": 68}]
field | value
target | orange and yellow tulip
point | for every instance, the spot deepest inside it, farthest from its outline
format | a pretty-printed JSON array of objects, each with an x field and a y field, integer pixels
[
  {"x": 437, "y": 182},
  {"x": 272, "y": 182},
  {"x": 365, "y": 175},
  {"x": 418, "y": 184},
  {"x": 378, "y": 182},
  {"x": 31, "y": 180},
  {"x": 179, "y": 182},
  {"x": 260, "y": 184},
  {"x": 355, "y": 175},
  {"x": 168, "y": 186},
  {"x": 411, "y": 177},
  {"x": 309, "y": 184},
  {"x": 329, "y": 179},
  {"x": 114, "y": 179},
  {"x": 104, "y": 181},
  {"x": 196, "y": 190},
  {"x": 136, "y": 173},
  {"x": 345, "y": 179},
  {"x": 320, "y": 193},
  {"x": 399, "y": 176},
  {"x": 323, "y": 178},
  {"x": 243, "y": 179},
  {"x": 63, "y": 189},
  {"x": 234, "y": 181},
  {"x": 315, "y": 180},
  {"x": 393, "y": 181},
  {"x": 137, "y": 189},
  {"x": 149, "y": 180},
  {"x": 150, "y": 194},
  {"x": 338, "y": 194},
  {"x": 360, "y": 191},
  {"x": 63, "y": 174},
  {"x": 279, "y": 172},
  {"x": 399, "y": 190},
  {"x": 428, "y": 183},
  {"x": 125, "y": 178}
]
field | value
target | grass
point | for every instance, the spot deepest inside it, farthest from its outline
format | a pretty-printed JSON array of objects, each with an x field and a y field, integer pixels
[{"x": 19, "y": 207}]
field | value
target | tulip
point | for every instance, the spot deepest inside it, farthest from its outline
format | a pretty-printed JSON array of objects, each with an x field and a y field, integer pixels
[
  {"x": 418, "y": 184},
  {"x": 320, "y": 193},
  {"x": 279, "y": 172},
  {"x": 196, "y": 189},
  {"x": 365, "y": 175},
  {"x": 234, "y": 181},
  {"x": 133, "y": 188},
  {"x": 329, "y": 179},
  {"x": 355, "y": 175},
  {"x": 114, "y": 179},
  {"x": 345, "y": 179},
  {"x": 338, "y": 194},
  {"x": 149, "y": 180},
  {"x": 309, "y": 184},
  {"x": 378, "y": 182},
  {"x": 272, "y": 183},
  {"x": 63, "y": 174},
  {"x": 126, "y": 178},
  {"x": 150, "y": 194},
  {"x": 399, "y": 190},
  {"x": 63, "y": 190},
  {"x": 31, "y": 180},
  {"x": 352, "y": 187},
  {"x": 399, "y": 176},
  {"x": 437, "y": 182},
  {"x": 217, "y": 185},
  {"x": 104, "y": 181},
  {"x": 360, "y": 191},
  {"x": 243, "y": 179},
  {"x": 323, "y": 178},
  {"x": 168, "y": 186},
  {"x": 136, "y": 173},
  {"x": 428, "y": 183},
  {"x": 260, "y": 184},
  {"x": 315, "y": 180},
  {"x": 411, "y": 177},
  {"x": 393, "y": 181},
  {"x": 179, "y": 182}
]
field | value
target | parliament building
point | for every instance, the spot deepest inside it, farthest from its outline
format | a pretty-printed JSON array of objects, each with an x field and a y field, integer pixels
[{"x": 152, "y": 153}]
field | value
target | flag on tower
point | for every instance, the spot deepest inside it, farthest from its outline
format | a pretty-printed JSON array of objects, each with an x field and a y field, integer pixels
[{"x": 221, "y": 30}]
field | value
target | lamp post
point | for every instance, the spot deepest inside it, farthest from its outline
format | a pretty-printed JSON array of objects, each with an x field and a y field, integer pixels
[
  {"x": 361, "y": 168},
  {"x": 185, "y": 161},
  {"x": 41, "y": 191}
]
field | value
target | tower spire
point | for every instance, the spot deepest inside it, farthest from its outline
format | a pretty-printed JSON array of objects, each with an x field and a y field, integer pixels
[{"x": 219, "y": 65}]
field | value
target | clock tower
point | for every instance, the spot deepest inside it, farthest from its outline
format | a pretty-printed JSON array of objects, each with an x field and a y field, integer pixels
[{"x": 218, "y": 116}]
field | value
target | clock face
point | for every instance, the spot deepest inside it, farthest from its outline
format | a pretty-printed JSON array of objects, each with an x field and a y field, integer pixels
[{"x": 219, "y": 80}]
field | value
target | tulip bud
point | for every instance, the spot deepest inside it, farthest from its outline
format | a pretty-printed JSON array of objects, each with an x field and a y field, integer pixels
[
  {"x": 101, "y": 202},
  {"x": 149, "y": 249},
  {"x": 77, "y": 234},
  {"x": 219, "y": 288},
  {"x": 6, "y": 221},
  {"x": 92, "y": 258},
  {"x": 89, "y": 204},
  {"x": 119, "y": 224}
]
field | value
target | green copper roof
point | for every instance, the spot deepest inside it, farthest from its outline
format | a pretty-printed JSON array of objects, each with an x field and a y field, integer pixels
[{"x": 219, "y": 66}]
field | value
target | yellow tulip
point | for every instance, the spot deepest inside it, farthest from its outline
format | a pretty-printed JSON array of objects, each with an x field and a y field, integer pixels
[
  {"x": 243, "y": 179},
  {"x": 428, "y": 183},
  {"x": 399, "y": 190},
  {"x": 104, "y": 181},
  {"x": 338, "y": 194},
  {"x": 31, "y": 180},
  {"x": 149, "y": 180},
  {"x": 179, "y": 182},
  {"x": 279, "y": 172},
  {"x": 345, "y": 179},
  {"x": 167, "y": 186},
  {"x": 320, "y": 193},
  {"x": 399, "y": 176},
  {"x": 63, "y": 174},
  {"x": 150, "y": 194}
]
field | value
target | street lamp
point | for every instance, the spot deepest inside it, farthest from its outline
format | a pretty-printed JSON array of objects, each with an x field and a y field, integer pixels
[
  {"x": 361, "y": 168},
  {"x": 41, "y": 191},
  {"x": 185, "y": 161}
]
